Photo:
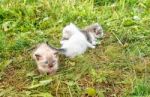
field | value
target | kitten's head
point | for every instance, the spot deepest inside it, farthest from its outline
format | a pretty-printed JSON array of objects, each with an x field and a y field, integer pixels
[
  {"x": 95, "y": 29},
  {"x": 46, "y": 59},
  {"x": 68, "y": 31}
]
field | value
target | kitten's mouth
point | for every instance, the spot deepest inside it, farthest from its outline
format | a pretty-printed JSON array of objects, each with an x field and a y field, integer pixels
[
  {"x": 51, "y": 71},
  {"x": 97, "y": 33}
]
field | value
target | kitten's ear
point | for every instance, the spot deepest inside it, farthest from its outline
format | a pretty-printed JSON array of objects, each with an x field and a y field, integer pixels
[{"x": 38, "y": 57}]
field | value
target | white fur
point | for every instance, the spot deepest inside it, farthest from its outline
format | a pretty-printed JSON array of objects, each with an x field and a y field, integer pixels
[
  {"x": 77, "y": 43},
  {"x": 68, "y": 31}
]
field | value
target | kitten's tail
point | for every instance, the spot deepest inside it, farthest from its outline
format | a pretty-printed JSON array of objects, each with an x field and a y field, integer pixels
[{"x": 61, "y": 50}]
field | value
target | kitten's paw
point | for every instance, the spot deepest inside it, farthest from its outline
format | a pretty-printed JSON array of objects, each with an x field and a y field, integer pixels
[
  {"x": 93, "y": 47},
  {"x": 94, "y": 43}
]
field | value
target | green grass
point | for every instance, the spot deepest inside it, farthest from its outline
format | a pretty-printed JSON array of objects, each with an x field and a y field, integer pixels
[{"x": 118, "y": 67}]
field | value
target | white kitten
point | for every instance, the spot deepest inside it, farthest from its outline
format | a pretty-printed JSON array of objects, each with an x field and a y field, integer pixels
[
  {"x": 47, "y": 61},
  {"x": 76, "y": 44}
]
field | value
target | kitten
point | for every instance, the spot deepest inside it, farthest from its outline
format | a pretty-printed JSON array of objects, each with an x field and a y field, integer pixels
[
  {"x": 76, "y": 44},
  {"x": 92, "y": 33},
  {"x": 46, "y": 59}
]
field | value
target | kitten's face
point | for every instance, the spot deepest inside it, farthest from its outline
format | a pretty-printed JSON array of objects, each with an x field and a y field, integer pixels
[
  {"x": 46, "y": 63},
  {"x": 97, "y": 32},
  {"x": 95, "y": 29},
  {"x": 46, "y": 59}
]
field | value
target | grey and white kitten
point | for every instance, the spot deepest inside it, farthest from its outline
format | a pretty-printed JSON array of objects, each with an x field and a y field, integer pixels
[{"x": 92, "y": 33}]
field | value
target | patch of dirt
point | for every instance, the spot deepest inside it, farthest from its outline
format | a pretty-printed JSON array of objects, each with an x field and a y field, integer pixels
[{"x": 13, "y": 79}]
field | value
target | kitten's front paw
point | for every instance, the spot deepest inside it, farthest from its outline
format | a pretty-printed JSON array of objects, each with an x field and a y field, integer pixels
[
  {"x": 94, "y": 43},
  {"x": 93, "y": 47}
]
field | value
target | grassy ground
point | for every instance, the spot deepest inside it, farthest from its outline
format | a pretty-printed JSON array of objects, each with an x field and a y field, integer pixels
[{"x": 118, "y": 67}]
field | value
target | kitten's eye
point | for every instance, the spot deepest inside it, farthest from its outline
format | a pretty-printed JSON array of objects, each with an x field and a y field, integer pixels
[
  {"x": 94, "y": 29},
  {"x": 46, "y": 62},
  {"x": 53, "y": 62}
]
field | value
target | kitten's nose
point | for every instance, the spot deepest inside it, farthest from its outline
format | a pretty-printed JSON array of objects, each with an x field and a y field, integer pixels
[{"x": 50, "y": 65}]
